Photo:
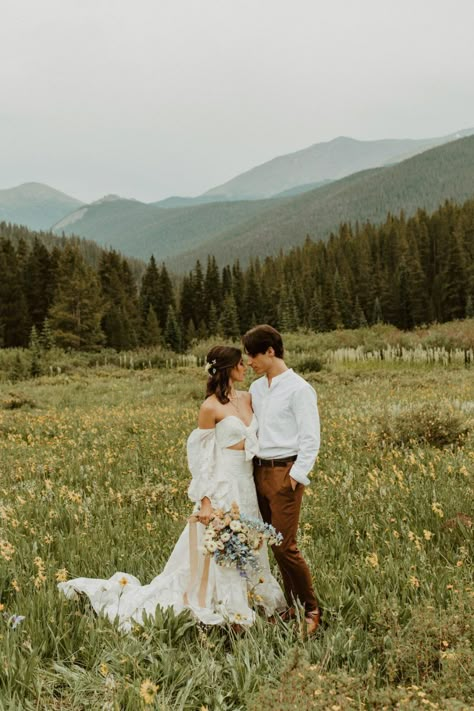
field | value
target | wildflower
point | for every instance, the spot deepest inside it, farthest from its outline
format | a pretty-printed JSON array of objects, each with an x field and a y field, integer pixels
[
  {"x": 396, "y": 534},
  {"x": 2, "y": 606},
  {"x": 436, "y": 508},
  {"x": 148, "y": 691},
  {"x": 110, "y": 683},
  {"x": 15, "y": 586},
  {"x": 414, "y": 582},
  {"x": 61, "y": 575},
  {"x": 123, "y": 581},
  {"x": 372, "y": 560},
  {"x": 411, "y": 536},
  {"x": 427, "y": 534},
  {"x": 15, "y": 620},
  {"x": 104, "y": 669}
]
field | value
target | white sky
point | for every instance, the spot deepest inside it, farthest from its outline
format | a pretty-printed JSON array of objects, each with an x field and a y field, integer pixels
[{"x": 150, "y": 98}]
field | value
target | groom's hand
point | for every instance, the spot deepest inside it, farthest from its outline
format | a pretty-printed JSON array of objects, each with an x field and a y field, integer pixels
[{"x": 293, "y": 483}]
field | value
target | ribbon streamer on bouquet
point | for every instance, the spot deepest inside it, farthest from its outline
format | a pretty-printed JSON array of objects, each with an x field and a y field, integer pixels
[{"x": 194, "y": 566}]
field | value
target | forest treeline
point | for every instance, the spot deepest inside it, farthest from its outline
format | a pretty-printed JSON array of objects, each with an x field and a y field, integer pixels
[{"x": 405, "y": 272}]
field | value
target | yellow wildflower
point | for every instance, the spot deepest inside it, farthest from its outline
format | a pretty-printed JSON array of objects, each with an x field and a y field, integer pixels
[
  {"x": 123, "y": 581},
  {"x": 372, "y": 560},
  {"x": 427, "y": 534},
  {"x": 104, "y": 669},
  {"x": 148, "y": 691},
  {"x": 414, "y": 582},
  {"x": 436, "y": 508},
  {"x": 61, "y": 575}
]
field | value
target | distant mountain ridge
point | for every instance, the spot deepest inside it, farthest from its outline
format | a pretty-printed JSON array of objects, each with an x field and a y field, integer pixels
[
  {"x": 424, "y": 181},
  {"x": 320, "y": 162},
  {"x": 35, "y": 205},
  {"x": 244, "y": 229}
]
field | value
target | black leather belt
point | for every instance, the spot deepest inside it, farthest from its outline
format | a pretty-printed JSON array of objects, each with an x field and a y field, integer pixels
[{"x": 274, "y": 462}]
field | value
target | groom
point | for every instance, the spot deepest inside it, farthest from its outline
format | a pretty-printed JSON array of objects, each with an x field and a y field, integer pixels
[{"x": 288, "y": 435}]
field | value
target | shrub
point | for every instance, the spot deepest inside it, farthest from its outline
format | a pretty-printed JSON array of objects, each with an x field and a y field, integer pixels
[
  {"x": 16, "y": 400},
  {"x": 310, "y": 365},
  {"x": 425, "y": 424}
]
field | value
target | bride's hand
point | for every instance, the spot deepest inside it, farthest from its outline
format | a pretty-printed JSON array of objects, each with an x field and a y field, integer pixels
[{"x": 205, "y": 512}]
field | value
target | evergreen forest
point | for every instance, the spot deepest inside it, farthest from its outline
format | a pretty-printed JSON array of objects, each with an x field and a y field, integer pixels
[{"x": 405, "y": 272}]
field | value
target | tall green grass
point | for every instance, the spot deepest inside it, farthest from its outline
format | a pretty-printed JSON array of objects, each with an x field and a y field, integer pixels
[{"x": 94, "y": 480}]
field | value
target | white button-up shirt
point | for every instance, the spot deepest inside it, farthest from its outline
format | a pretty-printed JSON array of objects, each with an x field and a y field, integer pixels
[{"x": 288, "y": 421}]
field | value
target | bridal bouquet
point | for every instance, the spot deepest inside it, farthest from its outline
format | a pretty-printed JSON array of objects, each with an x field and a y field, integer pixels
[{"x": 233, "y": 539}]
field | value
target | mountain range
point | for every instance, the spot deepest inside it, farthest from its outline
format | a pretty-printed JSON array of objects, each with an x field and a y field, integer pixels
[
  {"x": 35, "y": 205},
  {"x": 305, "y": 193}
]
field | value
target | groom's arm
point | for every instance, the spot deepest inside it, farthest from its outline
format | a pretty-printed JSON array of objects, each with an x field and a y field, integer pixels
[{"x": 305, "y": 410}]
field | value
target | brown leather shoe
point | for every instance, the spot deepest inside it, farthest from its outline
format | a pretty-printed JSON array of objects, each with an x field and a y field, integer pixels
[{"x": 312, "y": 621}]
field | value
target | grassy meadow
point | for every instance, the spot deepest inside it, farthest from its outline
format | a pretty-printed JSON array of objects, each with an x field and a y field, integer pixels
[{"x": 94, "y": 480}]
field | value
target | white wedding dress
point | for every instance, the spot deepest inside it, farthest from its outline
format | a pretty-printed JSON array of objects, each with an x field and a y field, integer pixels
[{"x": 214, "y": 594}]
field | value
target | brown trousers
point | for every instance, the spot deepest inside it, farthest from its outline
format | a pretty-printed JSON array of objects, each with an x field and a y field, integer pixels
[{"x": 280, "y": 506}]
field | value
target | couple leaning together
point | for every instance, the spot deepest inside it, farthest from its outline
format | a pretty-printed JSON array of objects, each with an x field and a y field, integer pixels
[{"x": 254, "y": 449}]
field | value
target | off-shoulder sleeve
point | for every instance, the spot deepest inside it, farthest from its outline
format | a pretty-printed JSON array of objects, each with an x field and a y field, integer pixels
[{"x": 201, "y": 450}]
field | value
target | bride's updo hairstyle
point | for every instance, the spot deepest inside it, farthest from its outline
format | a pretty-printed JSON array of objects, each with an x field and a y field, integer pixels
[{"x": 219, "y": 362}]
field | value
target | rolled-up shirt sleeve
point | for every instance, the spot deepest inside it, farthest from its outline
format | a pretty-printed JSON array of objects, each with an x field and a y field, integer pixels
[{"x": 304, "y": 404}]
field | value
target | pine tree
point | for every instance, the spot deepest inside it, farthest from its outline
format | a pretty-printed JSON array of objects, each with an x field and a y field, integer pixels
[
  {"x": 46, "y": 336},
  {"x": 150, "y": 291},
  {"x": 152, "y": 331},
  {"x": 212, "y": 322},
  {"x": 76, "y": 312},
  {"x": 454, "y": 279},
  {"x": 173, "y": 335},
  {"x": 317, "y": 320},
  {"x": 40, "y": 283},
  {"x": 229, "y": 322},
  {"x": 358, "y": 320},
  {"x": 470, "y": 307},
  {"x": 14, "y": 319},
  {"x": 377, "y": 316},
  {"x": 166, "y": 296},
  {"x": 288, "y": 315},
  {"x": 35, "y": 349},
  {"x": 212, "y": 288}
]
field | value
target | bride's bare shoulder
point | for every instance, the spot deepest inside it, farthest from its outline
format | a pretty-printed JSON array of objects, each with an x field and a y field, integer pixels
[{"x": 207, "y": 412}]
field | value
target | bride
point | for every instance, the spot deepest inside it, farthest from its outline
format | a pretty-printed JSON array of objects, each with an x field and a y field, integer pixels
[{"x": 220, "y": 453}]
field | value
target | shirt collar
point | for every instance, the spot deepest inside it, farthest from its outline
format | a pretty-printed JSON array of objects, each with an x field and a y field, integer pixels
[{"x": 278, "y": 378}]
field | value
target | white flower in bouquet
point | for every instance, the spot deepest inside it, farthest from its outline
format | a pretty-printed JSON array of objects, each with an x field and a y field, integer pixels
[
  {"x": 211, "y": 546},
  {"x": 235, "y": 525},
  {"x": 225, "y": 537},
  {"x": 220, "y": 545},
  {"x": 242, "y": 537}
]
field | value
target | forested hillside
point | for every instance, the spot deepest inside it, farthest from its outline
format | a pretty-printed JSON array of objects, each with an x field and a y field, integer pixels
[
  {"x": 425, "y": 181},
  {"x": 404, "y": 272},
  {"x": 247, "y": 229}
]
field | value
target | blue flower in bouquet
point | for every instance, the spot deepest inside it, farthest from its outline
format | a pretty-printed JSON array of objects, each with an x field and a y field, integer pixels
[{"x": 234, "y": 539}]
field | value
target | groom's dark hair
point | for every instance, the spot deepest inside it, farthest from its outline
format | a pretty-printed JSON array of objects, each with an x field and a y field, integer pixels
[{"x": 260, "y": 338}]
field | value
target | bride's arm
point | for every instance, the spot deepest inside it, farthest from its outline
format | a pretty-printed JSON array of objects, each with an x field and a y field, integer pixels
[{"x": 206, "y": 421}]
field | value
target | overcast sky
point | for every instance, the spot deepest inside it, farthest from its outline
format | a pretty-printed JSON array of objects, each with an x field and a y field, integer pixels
[{"x": 151, "y": 98}]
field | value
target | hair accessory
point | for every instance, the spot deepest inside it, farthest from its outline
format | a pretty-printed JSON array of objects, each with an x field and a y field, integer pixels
[{"x": 211, "y": 367}]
